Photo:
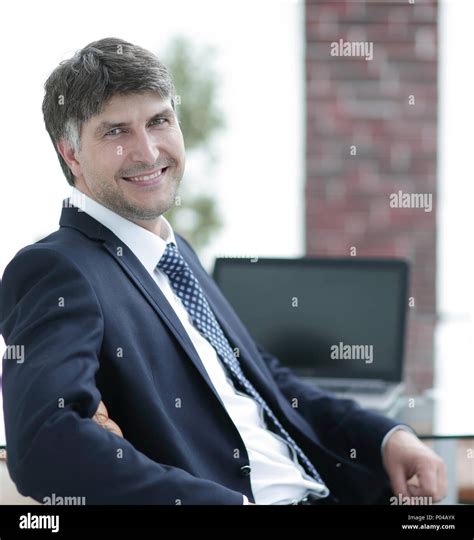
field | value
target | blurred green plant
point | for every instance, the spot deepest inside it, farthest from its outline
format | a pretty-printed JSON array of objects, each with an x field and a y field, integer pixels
[{"x": 195, "y": 214}]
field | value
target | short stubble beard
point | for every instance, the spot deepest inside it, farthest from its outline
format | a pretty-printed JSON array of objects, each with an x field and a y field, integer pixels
[{"x": 115, "y": 201}]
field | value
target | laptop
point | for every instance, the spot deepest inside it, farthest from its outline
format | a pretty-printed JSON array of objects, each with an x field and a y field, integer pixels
[{"x": 337, "y": 323}]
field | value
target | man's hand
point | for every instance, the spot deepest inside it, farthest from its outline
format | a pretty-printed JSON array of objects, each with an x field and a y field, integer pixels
[
  {"x": 101, "y": 416},
  {"x": 414, "y": 470}
]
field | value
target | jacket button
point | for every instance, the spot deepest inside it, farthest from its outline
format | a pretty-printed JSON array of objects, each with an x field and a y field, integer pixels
[{"x": 245, "y": 470}]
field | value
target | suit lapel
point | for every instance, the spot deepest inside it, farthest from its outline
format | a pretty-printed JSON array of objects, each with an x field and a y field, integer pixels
[
  {"x": 256, "y": 374},
  {"x": 137, "y": 273}
]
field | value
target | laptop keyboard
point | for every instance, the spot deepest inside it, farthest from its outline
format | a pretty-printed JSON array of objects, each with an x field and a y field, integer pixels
[
  {"x": 350, "y": 387},
  {"x": 354, "y": 389}
]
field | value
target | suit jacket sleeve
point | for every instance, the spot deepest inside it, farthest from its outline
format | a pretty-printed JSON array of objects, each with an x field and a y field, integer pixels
[
  {"x": 341, "y": 424},
  {"x": 49, "y": 307}
]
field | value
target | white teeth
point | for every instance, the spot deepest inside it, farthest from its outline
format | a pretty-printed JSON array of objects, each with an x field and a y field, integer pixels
[{"x": 146, "y": 177}]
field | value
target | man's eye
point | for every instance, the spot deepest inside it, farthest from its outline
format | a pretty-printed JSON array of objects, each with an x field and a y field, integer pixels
[
  {"x": 159, "y": 121},
  {"x": 115, "y": 131}
]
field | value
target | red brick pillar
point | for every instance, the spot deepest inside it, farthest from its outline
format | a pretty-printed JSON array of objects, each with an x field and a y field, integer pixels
[{"x": 371, "y": 96}]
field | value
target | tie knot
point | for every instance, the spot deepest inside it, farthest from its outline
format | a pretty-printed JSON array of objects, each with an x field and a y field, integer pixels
[{"x": 171, "y": 262}]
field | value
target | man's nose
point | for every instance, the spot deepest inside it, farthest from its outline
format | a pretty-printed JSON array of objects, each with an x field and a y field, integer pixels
[{"x": 145, "y": 148}]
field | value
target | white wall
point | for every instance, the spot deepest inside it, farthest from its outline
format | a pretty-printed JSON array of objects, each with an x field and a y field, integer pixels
[{"x": 455, "y": 335}]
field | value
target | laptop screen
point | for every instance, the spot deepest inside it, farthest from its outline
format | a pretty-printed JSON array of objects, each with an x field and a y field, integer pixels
[{"x": 341, "y": 318}]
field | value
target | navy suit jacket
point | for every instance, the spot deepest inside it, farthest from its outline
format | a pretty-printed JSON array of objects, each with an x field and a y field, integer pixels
[{"x": 94, "y": 325}]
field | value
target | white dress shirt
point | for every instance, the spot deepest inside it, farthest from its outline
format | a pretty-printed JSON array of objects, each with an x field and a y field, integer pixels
[{"x": 276, "y": 476}]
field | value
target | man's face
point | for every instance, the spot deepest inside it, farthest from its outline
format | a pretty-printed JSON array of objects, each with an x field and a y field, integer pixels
[{"x": 132, "y": 157}]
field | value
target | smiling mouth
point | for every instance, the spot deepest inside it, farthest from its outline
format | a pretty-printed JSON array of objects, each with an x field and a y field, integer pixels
[{"x": 146, "y": 177}]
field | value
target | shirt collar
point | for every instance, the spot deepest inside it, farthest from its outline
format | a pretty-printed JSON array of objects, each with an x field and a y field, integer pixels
[{"x": 148, "y": 247}]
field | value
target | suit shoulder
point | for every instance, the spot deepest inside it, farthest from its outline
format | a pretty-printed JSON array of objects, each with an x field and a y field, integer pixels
[
  {"x": 64, "y": 246},
  {"x": 44, "y": 259},
  {"x": 35, "y": 273}
]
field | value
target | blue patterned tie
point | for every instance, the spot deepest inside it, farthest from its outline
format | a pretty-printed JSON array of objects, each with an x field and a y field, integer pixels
[{"x": 189, "y": 291}]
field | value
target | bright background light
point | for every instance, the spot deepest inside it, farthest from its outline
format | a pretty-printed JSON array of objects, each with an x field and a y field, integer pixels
[{"x": 454, "y": 366}]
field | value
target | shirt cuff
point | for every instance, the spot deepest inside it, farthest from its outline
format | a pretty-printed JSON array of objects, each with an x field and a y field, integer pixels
[
  {"x": 246, "y": 501},
  {"x": 389, "y": 433}
]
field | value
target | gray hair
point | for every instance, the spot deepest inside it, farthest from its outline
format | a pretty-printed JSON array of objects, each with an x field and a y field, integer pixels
[{"x": 80, "y": 87}]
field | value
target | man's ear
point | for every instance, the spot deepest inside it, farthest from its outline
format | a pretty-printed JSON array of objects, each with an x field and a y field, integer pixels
[{"x": 69, "y": 155}]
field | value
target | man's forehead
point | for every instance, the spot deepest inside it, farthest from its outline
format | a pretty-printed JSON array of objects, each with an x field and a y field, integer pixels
[{"x": 127, "y": 107}]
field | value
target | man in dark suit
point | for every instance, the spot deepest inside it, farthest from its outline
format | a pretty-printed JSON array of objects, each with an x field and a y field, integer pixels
[{"x": 114, "y": 315}]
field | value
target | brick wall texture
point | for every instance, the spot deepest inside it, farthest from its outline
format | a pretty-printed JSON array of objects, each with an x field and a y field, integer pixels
[{"x": 371, "y": 131}]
